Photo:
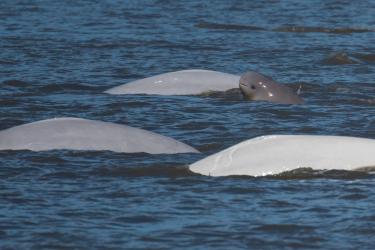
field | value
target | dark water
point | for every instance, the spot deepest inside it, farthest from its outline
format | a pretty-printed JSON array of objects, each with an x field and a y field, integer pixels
[{"x": 56, "y": 59}]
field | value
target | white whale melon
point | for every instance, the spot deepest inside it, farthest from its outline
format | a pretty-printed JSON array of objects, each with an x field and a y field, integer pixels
[
  {"x": 274, "y": 154},
  {"x": 83, "y": 134},
  {"x": 184, "y": 82}
]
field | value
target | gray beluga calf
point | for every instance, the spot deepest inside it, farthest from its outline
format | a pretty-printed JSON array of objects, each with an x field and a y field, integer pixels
[
  {"x": 83, "y": 134},
  {"x": 184, "y": 82},
  {"x": 274, "y": 154},
  {"x": 256, "y": 86}
]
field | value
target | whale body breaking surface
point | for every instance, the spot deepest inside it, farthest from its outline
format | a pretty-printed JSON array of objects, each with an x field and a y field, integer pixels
[
  {"x": 82, "y": 134},
  {"x": 184, "y": 82},
  {"x": 274, "y": 154},
  {"x": 253, "y": 85}
]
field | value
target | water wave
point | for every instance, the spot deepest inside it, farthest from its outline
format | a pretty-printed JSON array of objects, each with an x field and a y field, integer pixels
[
  {"x": 293, "y": 29},
  {"x": 307, "y": 29},
  {"x": 223, "y": 26},
  {"x": 309, "y": 173},
  {"x": 339, "y": 59},
  {"x": 143, "y": 171},
  {"x": 369, "y": 58}
]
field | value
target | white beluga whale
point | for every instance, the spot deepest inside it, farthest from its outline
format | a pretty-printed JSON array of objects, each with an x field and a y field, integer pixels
[
  {"x": 184, "y": 82},
  {"x": 82, "y": 134},
  {"x": 253, "y": 85},
  {"x": 274, "y": 154}
]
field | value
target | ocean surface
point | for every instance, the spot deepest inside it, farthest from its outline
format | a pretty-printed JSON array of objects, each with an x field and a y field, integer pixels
[{"x": 57, "y": 58}]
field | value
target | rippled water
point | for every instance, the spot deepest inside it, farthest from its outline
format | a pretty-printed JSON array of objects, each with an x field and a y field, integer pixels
[{"x": 56, "y": 59}]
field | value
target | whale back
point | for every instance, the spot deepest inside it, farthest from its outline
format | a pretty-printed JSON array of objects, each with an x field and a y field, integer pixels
[
  {"x": 83, "y": 134},
  {"x": 268, "y": 155},
  {"x": 256, "y": 86},
  {"x": 185, "y": 82}
]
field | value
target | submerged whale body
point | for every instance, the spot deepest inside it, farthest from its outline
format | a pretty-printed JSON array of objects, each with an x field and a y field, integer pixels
[
  {"x": 83, "y": 134},
  {"x": 184, "y": 82},
  {"x": 274, "y": 154}
]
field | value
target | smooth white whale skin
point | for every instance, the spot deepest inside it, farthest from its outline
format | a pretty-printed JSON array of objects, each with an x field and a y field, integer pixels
[
  {"x": 82, "y": 134},
  {"x": 274, "y": 154},
  {"x": 184, "y": 82}
]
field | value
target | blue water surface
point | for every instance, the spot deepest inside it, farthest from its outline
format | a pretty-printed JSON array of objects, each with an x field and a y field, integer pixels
[{"x": 57, "y": 58}]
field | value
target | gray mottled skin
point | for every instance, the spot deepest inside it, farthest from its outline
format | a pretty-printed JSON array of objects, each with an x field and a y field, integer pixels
[
  {"x": 256, "y": 86},
  {"x": 82, "y": 134}
]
